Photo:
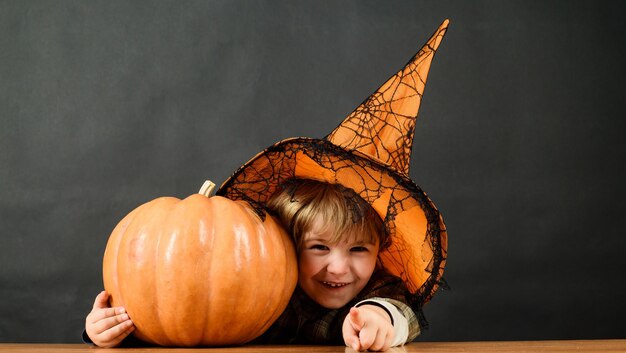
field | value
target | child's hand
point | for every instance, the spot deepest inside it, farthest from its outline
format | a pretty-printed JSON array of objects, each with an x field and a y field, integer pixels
[
  {"x": 368, "y": 327},
  {"x": 107, "y": 326}
]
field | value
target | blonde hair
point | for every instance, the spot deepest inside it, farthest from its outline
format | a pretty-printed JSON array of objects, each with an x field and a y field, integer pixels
[{"x": 301, "y": 202}]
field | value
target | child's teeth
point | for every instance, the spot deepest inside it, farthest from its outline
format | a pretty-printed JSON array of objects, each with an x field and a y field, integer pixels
[{"x": 335, "y": 284}]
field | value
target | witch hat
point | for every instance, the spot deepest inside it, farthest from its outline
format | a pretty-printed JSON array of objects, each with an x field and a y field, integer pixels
[{"x": 369, "y": 152}]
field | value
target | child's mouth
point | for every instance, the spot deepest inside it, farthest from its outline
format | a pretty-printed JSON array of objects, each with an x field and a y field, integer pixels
[{"x": 334, "y": 284}]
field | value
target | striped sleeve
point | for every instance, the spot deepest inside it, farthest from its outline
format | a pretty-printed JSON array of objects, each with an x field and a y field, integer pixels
[{"x": 405, "y": 323}]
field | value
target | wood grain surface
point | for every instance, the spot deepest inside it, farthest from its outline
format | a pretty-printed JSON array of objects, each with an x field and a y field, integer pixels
[{"x": 587, "y": 346}]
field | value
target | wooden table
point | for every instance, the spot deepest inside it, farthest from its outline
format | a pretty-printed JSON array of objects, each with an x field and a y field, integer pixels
[{"x": 422, "y": 347}]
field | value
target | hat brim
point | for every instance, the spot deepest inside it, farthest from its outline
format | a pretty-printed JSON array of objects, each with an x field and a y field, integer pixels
[{"x": 418, "y": 249}]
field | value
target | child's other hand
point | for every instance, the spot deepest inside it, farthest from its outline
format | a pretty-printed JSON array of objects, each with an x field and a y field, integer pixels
[
  {"x": 368, "y": 327},
  {"x": 107, "y": 326}
]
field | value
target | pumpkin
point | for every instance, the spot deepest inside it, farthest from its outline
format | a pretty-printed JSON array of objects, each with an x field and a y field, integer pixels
[{"x": 199, "y": 271}]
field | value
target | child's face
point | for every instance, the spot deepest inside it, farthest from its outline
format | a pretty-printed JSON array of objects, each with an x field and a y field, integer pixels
[{"x": 333, "y": 274}]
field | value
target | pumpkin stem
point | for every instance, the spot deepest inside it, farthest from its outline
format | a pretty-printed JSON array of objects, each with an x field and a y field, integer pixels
[{"x": 207, "y": 188}]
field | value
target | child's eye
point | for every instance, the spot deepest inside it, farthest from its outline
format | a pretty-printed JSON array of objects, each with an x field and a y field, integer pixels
[
  {"x": 318, "y": 247},
  {"x": 358, "y": 249}
]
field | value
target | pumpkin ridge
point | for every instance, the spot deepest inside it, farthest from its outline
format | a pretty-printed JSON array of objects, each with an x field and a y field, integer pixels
[
  {"x": 248, "y": 247},
  {"x": 284, "y": 271},
  {"x": 210, "y": 214},
  {"x": 276, "y": 291},
  {"x": 167, "y": 249},
  {"x": 219, "y": 328},
  {"x": 163, "y": 338},
  {"x": 262, "y": 242},
  {"x": 206, "y": 242}
]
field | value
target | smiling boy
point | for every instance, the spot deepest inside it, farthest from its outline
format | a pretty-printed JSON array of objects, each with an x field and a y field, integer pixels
[{"x": 343, "y": 294}]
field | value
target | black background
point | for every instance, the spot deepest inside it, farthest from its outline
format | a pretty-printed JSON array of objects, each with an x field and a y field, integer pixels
[{"x": 105, "y": 105}]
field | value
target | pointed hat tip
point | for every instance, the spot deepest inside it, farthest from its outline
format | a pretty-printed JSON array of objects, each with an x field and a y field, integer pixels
[
  {"x": 382, "y": 126},
  {"x": 435, "y": 40}
]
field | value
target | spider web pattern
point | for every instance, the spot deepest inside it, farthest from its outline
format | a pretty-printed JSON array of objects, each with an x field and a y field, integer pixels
[{"x": 383, "y": 125}]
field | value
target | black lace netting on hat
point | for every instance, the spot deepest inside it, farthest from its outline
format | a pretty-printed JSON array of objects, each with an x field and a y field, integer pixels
[{"x": 259, "y": 179}]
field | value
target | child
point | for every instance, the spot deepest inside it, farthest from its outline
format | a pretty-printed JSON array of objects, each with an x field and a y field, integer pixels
[{"x": 343, "y": 294}]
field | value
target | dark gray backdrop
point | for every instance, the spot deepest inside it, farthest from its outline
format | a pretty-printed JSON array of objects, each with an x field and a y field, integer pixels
[{"x": 105, "y": 105}]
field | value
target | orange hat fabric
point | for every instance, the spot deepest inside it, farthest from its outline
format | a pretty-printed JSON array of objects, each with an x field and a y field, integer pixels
[{"x": 368, "y": 152}]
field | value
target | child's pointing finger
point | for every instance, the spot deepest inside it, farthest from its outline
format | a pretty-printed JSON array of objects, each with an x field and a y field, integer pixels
[
  {"x": 356, "y": 323},
  {"x": 352, "y": 324},
  {"x": 356, "y": 319}
]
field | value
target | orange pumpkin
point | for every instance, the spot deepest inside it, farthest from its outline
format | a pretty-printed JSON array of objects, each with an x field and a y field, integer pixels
[{"x": 199, "y": 271}]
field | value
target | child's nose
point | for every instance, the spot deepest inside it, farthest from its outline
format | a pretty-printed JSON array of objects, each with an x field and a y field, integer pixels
[{"x": 338, "y": 264}]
